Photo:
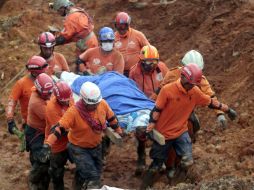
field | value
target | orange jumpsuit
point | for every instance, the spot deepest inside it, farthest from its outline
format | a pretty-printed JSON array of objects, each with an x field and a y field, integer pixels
[
  {"x": 171, "y": 76},
  {"x": 54, "y": 112},
  {"x": 95, "y": 59},
  {"x": 78, "y": 27},
  {"x": 80, "y": 133},
  {"x": 20, "y": 92},
  {"x": 57, "y": 62},
  {"x": 36, "y": 118},
  {"x": 130, "y": 46},
  {"x": 148, "y": 82},
  {"x": 171, "y": 100}
]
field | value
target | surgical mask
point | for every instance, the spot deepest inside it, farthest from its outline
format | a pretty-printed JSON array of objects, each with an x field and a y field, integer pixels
[{"x": 107, "y": 46}]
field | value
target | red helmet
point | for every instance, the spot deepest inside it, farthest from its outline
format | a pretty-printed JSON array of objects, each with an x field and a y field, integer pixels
[
  {"x": 62, "y": 91},
  {"x": 36, "y": 65},
  {"x": 44, "y": 85},
  {"x": 192, "y": 73},
  {"x": 47, "y": 39},
  {"x": 122, "y": 18}
]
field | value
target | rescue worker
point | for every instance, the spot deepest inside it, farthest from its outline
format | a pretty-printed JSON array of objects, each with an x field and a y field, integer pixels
[
  {"x": 103, "y": 58},
  {"x": 56, "y": 61},
  {"x": 85, "y": 122},
  {"x": 149, "y": 72},
  {"x": 173, "y": 106},
  {"x": 128, "y": 41},
  {"x": 35, "y": 131},
  {"x": 78, "y": 26},
  {"x": 21, "y": 91},
  {"x": 172, "y": 75},
  {"x": 56, "y": 107}
]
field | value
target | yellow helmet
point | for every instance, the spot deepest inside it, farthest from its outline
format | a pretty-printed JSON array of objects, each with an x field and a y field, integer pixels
[{"x": 149, "y": 52}]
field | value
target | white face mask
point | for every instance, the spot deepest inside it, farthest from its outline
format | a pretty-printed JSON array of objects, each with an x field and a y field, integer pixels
[{"x": 107, "y": 46}]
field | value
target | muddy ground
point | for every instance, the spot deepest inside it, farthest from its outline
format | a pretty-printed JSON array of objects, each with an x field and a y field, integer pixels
[{"x": 222, "y": 30}]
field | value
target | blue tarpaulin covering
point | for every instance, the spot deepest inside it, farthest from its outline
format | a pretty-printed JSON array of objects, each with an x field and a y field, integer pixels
[{"x": 121, "y": 93}]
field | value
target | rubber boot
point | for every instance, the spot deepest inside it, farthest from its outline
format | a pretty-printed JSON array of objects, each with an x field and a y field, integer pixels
[
  {"x": 77, "y": 183},
  {"x": 141, "y": 161},
  {"x": 105, "y": 148},
  {"x": 95, "y": 184},
  {"x": 148, "y": 179}
]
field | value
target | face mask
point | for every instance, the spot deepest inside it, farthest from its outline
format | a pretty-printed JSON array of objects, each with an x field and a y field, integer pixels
[
  {"x": 107, "y": 46},
  {"x": 147, "y": 68}
]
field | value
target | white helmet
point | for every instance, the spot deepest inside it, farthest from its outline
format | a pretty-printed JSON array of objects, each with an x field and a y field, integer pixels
[
  {"x": 61, "y": 3},
  {"x": 90, "y": 93},
  {"x": 193, "y": 56}
]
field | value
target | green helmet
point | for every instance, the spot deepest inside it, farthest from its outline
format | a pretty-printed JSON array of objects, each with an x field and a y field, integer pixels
[
  {"x": 195, "y": 57},
  {"x": 61, "y": 3}
]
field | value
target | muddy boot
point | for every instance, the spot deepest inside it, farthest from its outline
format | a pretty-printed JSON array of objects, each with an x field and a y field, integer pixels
[
  {"x": 33, "y": 186},
  {"x": 141, "y": 161},
  {"x": 78, "y": 183},
  {"x": 148, "y": 179},
  {"x": 141, "y": 164},
  {"x": 96, "y": 184},
  {"x": 171, "y": 173},
  {"x": 105, "y": 148}
]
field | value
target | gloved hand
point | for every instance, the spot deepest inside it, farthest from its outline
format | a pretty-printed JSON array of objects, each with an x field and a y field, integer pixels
[
  {"x": 222, "y": 121},
  {"x": 119, "y": 131},
  {"x": 150, "y": 127},
  {"x": 11, "y": 125},
  {"x": 232, "y": 114},
  {"x": 45, "y": 153}
]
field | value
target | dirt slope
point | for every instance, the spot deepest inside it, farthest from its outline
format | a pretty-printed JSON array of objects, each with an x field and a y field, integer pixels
[{"x": 223, "y": 31}]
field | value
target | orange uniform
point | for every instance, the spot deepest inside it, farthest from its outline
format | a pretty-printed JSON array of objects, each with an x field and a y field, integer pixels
[
  {"x": 80, "y": 133},
  {"x": 177, "y": 104},
  {"x": 36, "y": 112},
  {"x": 175, "y": 73},
  {"x": 20, "y": 92},
  {"x": 95, "y": 59},
  {"x": 130, "y": 46},
  {"x": 57, "y": 62},
  {"x": 54, "y": 112},
  {"x": 148, "y": 82},
  {"x": 78, "y": 27}
]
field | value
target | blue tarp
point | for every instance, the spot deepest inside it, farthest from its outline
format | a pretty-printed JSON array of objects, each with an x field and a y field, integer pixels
[{"x": 121, "y": 93}]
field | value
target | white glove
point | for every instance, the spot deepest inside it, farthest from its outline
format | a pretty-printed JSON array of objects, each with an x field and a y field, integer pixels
[{"x": 222, "y": 121}]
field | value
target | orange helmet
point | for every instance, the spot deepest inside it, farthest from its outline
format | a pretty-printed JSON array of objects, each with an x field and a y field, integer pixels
[{"x": 149, "y": 52}]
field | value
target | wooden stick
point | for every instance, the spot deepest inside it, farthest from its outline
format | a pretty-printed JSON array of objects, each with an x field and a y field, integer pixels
[
  {"x": 158, "y": 137},
  {"x": 12, "y": 80},
  {"x": 114, "y": 137}
]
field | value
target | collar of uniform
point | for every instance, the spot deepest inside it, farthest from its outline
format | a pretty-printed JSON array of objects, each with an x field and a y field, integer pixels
[
  {"x": 126, "y": 34},
  {"x": 180, "y": 87}
]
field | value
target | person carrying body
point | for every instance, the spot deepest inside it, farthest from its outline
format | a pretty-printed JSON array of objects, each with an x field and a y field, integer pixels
[
  {"x": 174, "y": 104},
  {"x": 149, "y": 72},
  {"x": 174, "y": 74},
  {"x": 21, "y": 91},
  {"x": 35, "y": 131},
  {"x": 85, "y": 122},
  {"x": 103, "y": 58},
  {"x": 128, "y": 41},
  {"x": 56, "y": 61},
  {"x": 56, "y": 107},
  {"x": 78, "y": 26}
]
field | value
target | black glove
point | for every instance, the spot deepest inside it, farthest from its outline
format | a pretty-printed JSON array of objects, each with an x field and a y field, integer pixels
[
  {"x": 231, "y": 114},
  {"x": 11, "y": 125},
  {"x": 45, "y": 153}
]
